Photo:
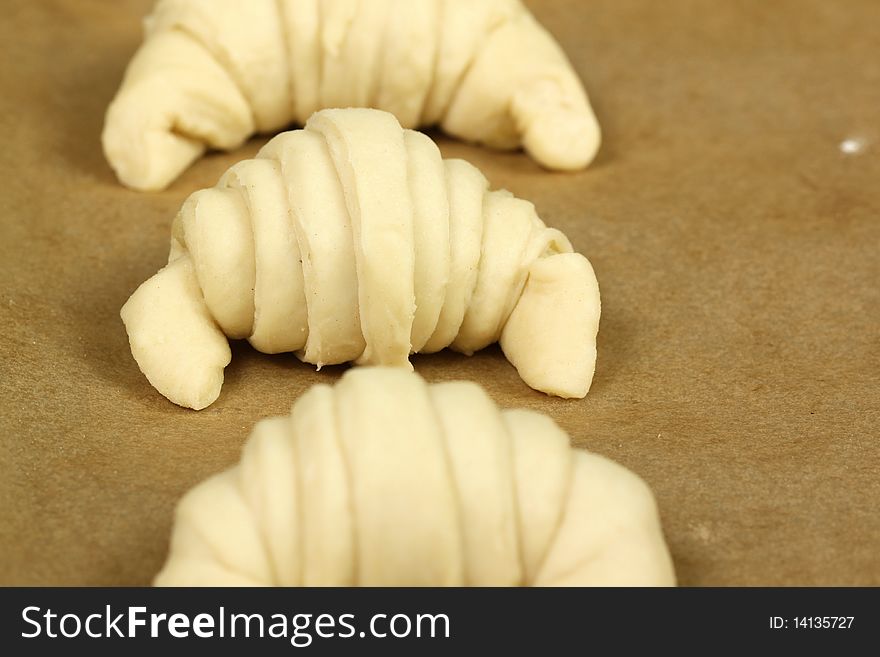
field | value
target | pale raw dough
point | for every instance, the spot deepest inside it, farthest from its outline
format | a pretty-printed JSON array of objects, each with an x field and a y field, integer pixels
[
  {"x": 353, "y": 240},
  {"x": 212, "y": 72},
  {"x": 384, "y": 480}
]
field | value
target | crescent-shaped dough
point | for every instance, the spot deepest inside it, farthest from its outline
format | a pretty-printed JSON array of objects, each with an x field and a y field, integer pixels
[
  {"x": 210, "y": 73},
  {"x": 384, "y": 480},
  {"x": 353, "y": 240}
]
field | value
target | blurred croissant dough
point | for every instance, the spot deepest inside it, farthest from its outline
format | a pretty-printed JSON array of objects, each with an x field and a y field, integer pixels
[
  {"x": 210, "y": 73},
  {"x": 353, "y": 240},
  {"x": 384, "y": 480}
]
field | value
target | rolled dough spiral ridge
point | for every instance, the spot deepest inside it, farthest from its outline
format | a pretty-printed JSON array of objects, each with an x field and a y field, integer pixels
[
  {"x": 353, "y": 240},
  {"x": 384, "y": 480},
  {"x": 210, "y": 73}
]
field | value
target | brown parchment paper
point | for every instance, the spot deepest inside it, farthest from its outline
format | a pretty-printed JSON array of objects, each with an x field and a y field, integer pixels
[{"x": 737, "y": 248}]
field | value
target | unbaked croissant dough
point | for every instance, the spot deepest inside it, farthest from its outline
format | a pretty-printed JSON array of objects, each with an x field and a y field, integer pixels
[
  {"x": 212, "y": 72},
  {"x": 384, "y": 480},
  {"x": 353, "y": 240}
]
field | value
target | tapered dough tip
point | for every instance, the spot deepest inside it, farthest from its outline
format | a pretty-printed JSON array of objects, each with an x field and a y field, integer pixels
[
  {"x": 200, "y": 392},
  {"x": 550, "y": 336},
  {"x": 564, "y": 139},
  {"x": 145, "y": 157},
  {"x": 185, "y": 384},
  {"x": 175, "y": 342}
]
